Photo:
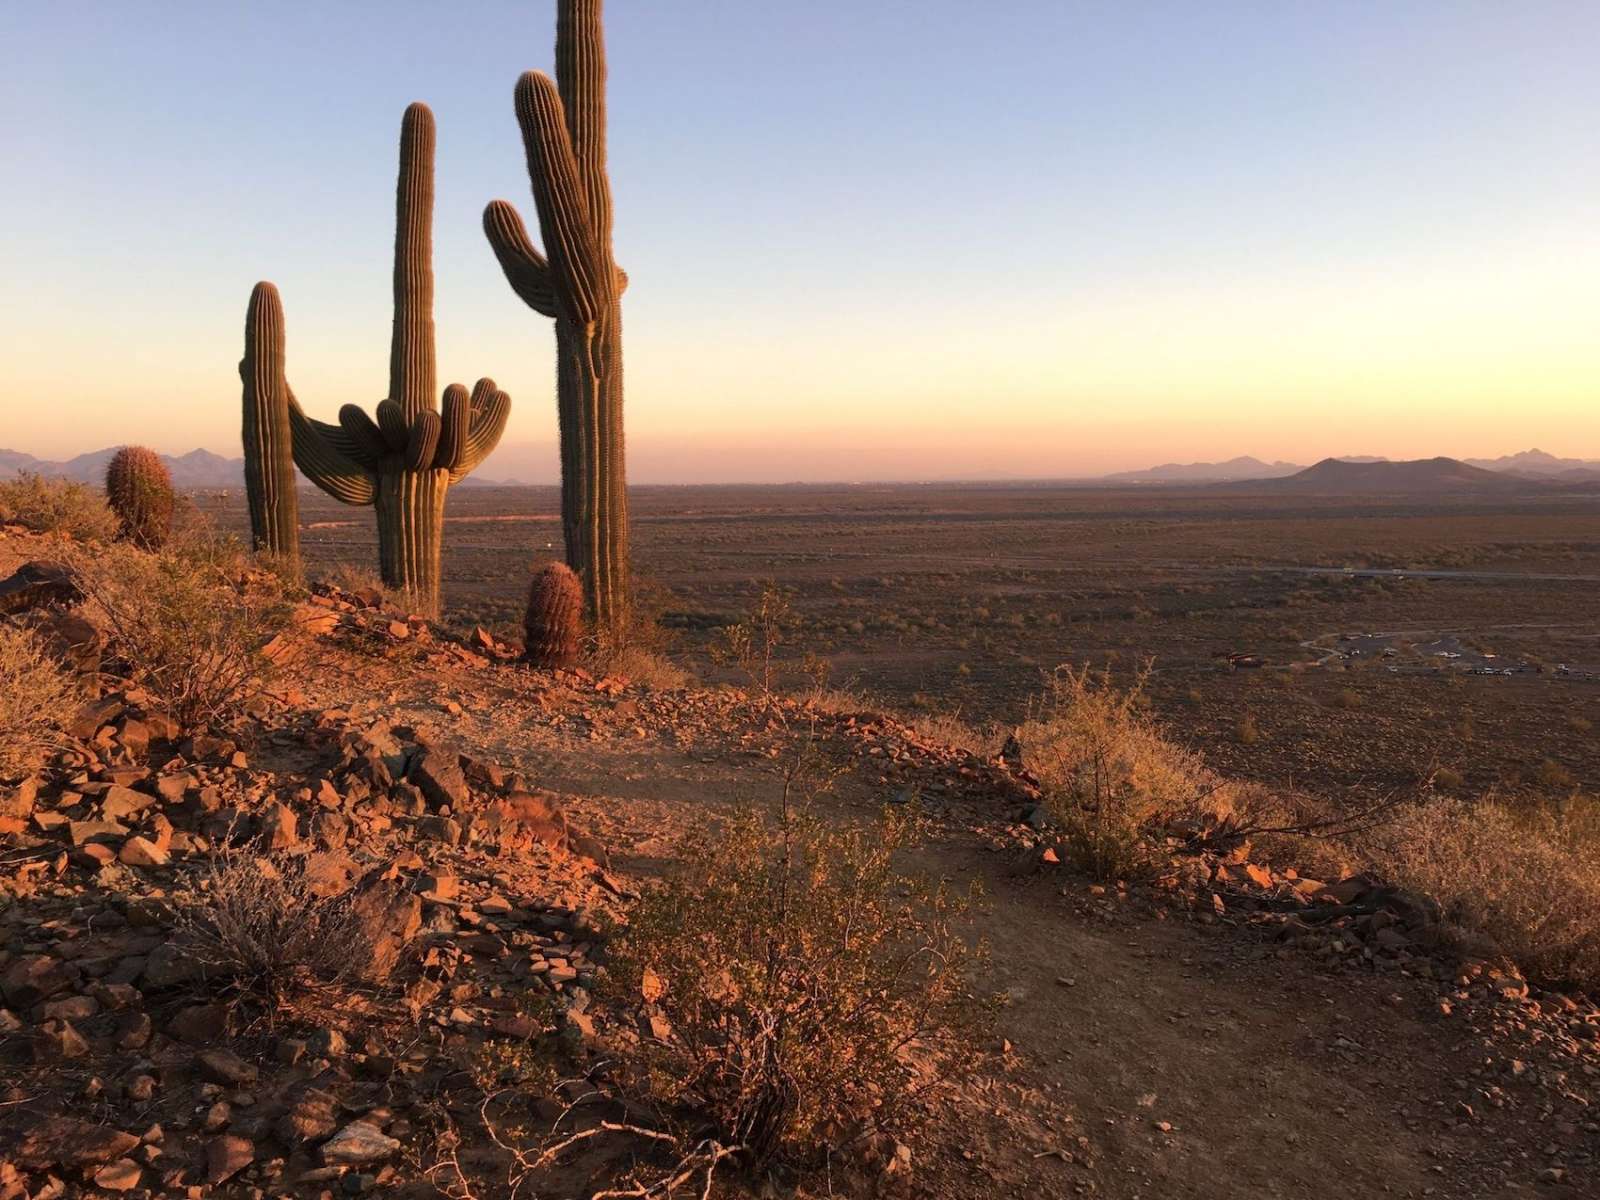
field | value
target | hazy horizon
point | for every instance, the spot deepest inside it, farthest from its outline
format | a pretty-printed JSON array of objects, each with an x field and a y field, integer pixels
[{"x": 1069, "y": 239}]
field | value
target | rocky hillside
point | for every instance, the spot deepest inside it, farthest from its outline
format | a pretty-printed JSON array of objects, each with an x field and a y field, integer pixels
[{"x": 477, "y": 836}]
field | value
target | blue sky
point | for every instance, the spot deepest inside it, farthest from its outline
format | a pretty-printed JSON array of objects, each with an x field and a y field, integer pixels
[{"x": 873, "y": 239}]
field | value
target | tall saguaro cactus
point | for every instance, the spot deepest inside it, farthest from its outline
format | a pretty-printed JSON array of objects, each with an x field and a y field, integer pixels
[
  {"x": 404, "y": 462},
  {"x": 579, "y": 284}
]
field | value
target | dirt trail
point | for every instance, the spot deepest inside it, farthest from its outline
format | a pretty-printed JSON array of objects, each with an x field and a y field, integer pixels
[{"x": 1141, "y": 1057}]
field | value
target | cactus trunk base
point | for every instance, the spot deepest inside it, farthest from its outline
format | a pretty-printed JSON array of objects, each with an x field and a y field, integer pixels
[
  {"x": 593, "y": 476},
  {"x": 410, "y": 508}
]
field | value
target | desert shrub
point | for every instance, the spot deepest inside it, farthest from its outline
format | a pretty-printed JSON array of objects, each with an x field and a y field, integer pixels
[
  {"x": 1448, "y": 779},
  {"x": 1248, "y": 731},
  {"x": 1552, "y": 776},
  {"x": 1109, "y": 775},
  {"x": 1527, "y": 878},
  {"x": 191, "y": 622},
  {"x": 814, "y": 991},
  {"x": 753, "y": 645},
  {"x": 1347, "y": 699},
  {"x": 260, "y": 934},
  {"x": 37, "y": 698},
  {"x": 57, "y": 506}
]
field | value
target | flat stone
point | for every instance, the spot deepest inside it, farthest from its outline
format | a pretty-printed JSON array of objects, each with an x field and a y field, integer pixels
[
  {"x": 63, "y": 1141},
  {"x": 120, "y": 803},
  {"x": 32, "y": 978},
  {"x": 310, "y": 1119},
  {"x": 225, "y": 1067},
  {"x": 119, "y": 1175},
  {"x": 142, "y": 852},
  {"x": 81, "y": 833},
  {"x": 356, "y": 1144},
  {"x": 227, "y": 1155}
]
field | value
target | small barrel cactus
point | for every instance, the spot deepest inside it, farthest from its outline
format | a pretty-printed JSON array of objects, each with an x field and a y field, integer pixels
[
  {"x": 139, "y": 490},
  {"x": 554, "y": 621}
]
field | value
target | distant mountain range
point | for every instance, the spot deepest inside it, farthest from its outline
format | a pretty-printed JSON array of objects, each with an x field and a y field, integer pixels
[
  {"x": 196, "y": 469},
  {"x": 1423, "y": 476},
  {"x": 1528, "y": 465},
  {"x": 1352, "y": 474},
  {"x": 1243, "y": 467}
]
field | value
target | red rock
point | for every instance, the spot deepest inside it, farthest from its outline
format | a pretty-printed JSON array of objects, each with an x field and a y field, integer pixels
[
  {"x": 32, "y": 978},
  {"x": 63, "y": 1141},
  {"x": 280, "y": 828},
  {"x": 120, "y": 1175},
  {"x": 227, "y": 1155},
  {"x": 142, "y": 852}
]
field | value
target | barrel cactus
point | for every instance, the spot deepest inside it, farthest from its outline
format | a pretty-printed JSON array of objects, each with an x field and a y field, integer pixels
[
  {"x": 579, "y": 285},
  {"x": 553, "y": 623},
  {"x": 139, "y": 490},
  {"x": 405, "y": 461}
]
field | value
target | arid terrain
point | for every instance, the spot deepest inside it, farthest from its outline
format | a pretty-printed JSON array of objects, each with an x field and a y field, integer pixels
[
  {"x": 1230, "y": 1028},
  {"x": 1399, "y": 636}
]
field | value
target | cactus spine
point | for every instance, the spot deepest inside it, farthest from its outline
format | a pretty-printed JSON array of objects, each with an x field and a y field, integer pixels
[
  {"x": 553, "y": 623},
  {"x": 404, "y": 462},
  {"x": 579, "y": 284},
  {"x": 139, "y": 490},
  {"x": 269, "y": 480}
]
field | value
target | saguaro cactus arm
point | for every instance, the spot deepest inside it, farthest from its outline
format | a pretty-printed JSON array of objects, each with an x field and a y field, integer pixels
[
  {"x": 527, "y": 271},
  {"x": 587, "y": 282},
  {"x": 268, "y": 450},
  {"x": 489, "y": 409},
  {"x": 320, "y": 453},
  {"x": 412, "y": 370}
]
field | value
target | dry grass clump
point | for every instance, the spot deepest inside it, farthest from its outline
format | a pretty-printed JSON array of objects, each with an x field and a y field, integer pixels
[
  {"x": 1109, "y": 775},
  {"x": 813, "y": 991},
  {"x": 949, "y": 729},
  {"x": 638, "y": 650},
  {"x": 1527, "y": 878},
  {"x": 37, "y": 698},
  {"x": 57, "y": 506},
  {"x": 189, "y": 622},
  {"x": 259, "y": 932}
]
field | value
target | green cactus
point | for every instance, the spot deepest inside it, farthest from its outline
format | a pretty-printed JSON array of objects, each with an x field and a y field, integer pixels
[
  {"x": 403, "y": 462},
  {"x": 139, "y": 490},
  {"x": 553, "y": 623},
  {"x": 580, "y": 286},
  {"x": 269, "y": 477}
]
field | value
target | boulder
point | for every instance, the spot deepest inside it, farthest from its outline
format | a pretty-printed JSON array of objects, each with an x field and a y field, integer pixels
[
  {"x": 387, "y": 918},
  {"x": 37, "y": 585},
  {"x": 439, "y": 775}
]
